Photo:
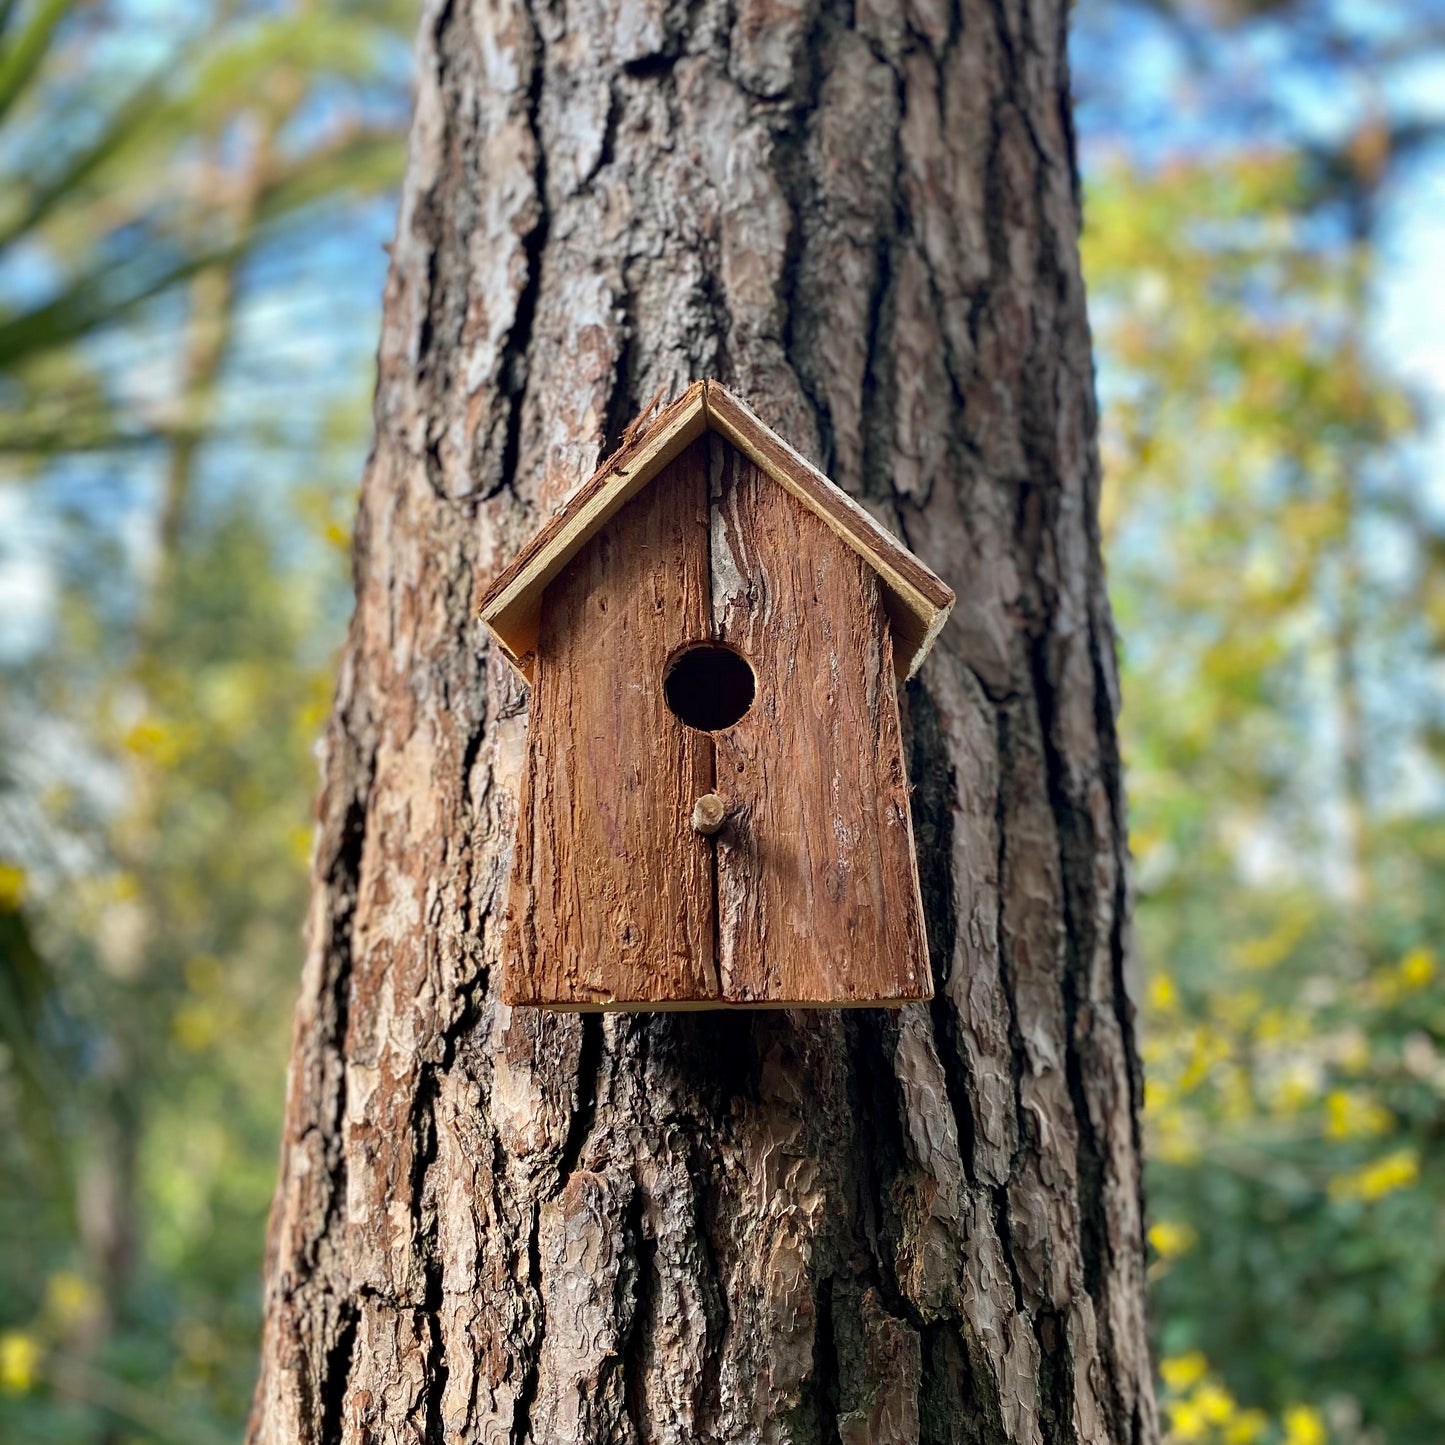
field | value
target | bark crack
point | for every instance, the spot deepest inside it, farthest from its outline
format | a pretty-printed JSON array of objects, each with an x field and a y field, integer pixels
[
  {"x": 338, "y": 1375},
  {"x": 584, "y": 1112},
  {"x": 531, "y": 1376},
  {"x": 514, "y": 371},
  {"x": 934, "y": 801},
  {"x": 826, "y": 1382},
  {"x": 636, "y": 1344}
]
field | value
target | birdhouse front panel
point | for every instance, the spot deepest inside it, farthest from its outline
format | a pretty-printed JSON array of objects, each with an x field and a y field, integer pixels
[
  {"x": 816, "y": 880},
  {"x": 714, "y": 803},
  {"x": 612, "y": 894}
]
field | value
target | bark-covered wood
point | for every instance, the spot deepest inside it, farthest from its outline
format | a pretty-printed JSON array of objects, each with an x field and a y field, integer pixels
[
  {"x": 612, "y": 897},
  {"x": 809, "y": 895},
  {"x": 506, "y": 1225},
  {"x": 817, "y": 892},
  {"x": 512, "y": 605},
  {"x": 919, "y": 601}
]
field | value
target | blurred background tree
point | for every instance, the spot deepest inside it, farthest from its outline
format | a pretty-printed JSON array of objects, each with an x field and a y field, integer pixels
[
  {"x": 1259, "y": 258},
  {"x": 193, "y": 201}
]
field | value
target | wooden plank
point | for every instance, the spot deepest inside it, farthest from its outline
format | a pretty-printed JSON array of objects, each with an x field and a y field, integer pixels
[
  {"x": 612, "y": 898},
  {"x": 511, "y": 606},
  {"x": 919, "y": 602},
  {"x": 817, "y": 884}
]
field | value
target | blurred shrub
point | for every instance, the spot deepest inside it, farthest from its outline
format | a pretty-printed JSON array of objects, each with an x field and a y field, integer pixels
[
  {"x": 192, "y": 201},
  {"x": 1272, "y": 562}
]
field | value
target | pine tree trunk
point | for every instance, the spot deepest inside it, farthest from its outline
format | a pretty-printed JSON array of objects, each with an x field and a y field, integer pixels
[{"x": 923, "y": 1225}]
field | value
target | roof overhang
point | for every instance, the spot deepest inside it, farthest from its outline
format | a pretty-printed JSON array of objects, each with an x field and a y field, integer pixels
[{"x": 918, "y": 602}]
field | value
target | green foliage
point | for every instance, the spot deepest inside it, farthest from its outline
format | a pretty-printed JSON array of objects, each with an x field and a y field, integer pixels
[
  {"x": 134, "y": 163},
  {"x": 172, "y": 958},
  {"x": 1272, "y": 575},
  {"x": 157, "y": 728}
]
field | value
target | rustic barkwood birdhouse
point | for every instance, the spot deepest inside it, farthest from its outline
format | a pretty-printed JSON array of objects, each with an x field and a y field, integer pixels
[{"x": 714, "y": 805}]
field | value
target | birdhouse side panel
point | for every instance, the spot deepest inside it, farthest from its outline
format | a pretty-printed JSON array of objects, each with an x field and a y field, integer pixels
[
  {"x": 818, "y": 896},
  {"x": 611, "y": 897}
]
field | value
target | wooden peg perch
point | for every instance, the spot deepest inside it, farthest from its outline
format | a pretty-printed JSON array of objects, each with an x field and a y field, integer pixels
[{"x": 708, "y": 814}]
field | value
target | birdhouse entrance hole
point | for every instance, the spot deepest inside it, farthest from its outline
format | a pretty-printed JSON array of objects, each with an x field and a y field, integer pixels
[{"x": 709, "y": 686}]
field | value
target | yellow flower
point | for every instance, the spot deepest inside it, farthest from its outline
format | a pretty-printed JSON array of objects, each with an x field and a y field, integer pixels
[
  {"x": 298, "y": 842},
  {"x": 1417, "y": 968},
  {"x": 70, "y": 1299},
  {"x": 1303, "y": 1426},
  {"x": 19, "y": 1361},
  {"x": 1171, "y": 1239},
  {"x": 1208, "y": 1049},
  {"x": 1163, "y": 996},
  {"x": 1353, "y": 1116},
  {"x": 151, "y": 739},
  {"x": 1246, "y": 1428},
  {"x": 1387, "y": 1174},
  {"x": 12, "y": 887},
  {"x": 1186, "y": 1421},
  {"x": 1179, "y": 1372},
  {"x": 1214, "y": 1402}
]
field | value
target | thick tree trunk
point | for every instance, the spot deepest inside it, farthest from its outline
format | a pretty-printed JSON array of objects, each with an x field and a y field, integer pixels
[{"x": 505, "y": 1226}]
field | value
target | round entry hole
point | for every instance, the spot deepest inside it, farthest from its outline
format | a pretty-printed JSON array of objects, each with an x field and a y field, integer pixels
[{"x": 709, "y": 686}]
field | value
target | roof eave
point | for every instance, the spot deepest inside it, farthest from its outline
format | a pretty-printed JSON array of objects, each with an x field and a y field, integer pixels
[{"x": 919, "y": 601}]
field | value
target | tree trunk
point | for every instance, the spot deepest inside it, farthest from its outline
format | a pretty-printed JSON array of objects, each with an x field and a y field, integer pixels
[{"x": 925, "y": 1225}]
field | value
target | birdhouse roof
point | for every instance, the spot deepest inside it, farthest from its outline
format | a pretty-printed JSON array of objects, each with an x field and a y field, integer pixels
[{"x": 918, "y": 602}]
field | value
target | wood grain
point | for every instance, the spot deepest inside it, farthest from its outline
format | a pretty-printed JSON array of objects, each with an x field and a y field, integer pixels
[
  {"x": 611, "y": 897},
  {"x": 817, "y": 883},
  {"x": 512, "y": 605},
  {"x": 917, "y": 601}
]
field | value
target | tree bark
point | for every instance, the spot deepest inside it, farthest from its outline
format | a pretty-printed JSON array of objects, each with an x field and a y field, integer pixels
[{"x": 924, "y": 1225}]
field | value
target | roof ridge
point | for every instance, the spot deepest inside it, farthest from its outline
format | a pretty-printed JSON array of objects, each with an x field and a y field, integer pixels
[{"x": 918, "y": 601}]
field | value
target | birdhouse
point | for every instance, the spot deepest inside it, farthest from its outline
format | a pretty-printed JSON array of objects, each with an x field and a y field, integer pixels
[{"x": 713, "y": 808}]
